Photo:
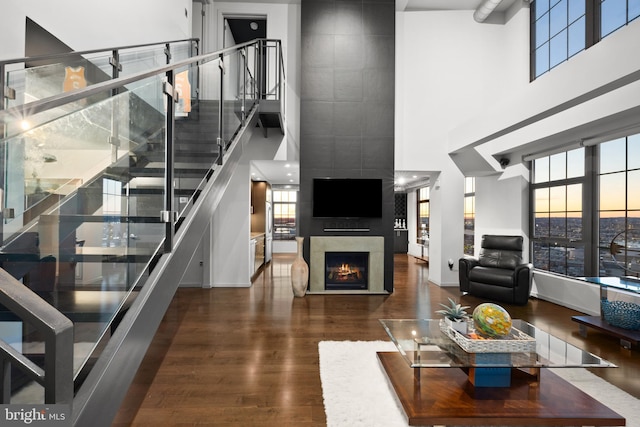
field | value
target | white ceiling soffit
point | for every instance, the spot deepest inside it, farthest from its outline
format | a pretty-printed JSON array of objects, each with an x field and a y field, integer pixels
[{"x": 476, "y": 5}]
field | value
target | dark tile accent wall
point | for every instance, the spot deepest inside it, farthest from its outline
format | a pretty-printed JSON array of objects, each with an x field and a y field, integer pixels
[{"x": 347, "y": 109}]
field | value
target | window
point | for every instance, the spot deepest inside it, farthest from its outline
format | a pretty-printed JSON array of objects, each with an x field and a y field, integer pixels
[
  {"x": 617, "y": 13},
  {"x": 558, "y": 217},
  {"x": 558, "y": 30},
  {"x": 619, "y": 207},
  {"x": 423, "y": 214},
  {"x": 562, "y": 28},
  {"x": 469, "y": 214},
  {"x": 586, "y": 220},
  {"x": 284, "y": 214},
  {"x": 112, "y": 230}
]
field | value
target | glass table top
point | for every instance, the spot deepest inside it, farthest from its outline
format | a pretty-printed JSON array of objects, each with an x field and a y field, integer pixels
[
  {"x": 631, "y": 284},
  {"x": 423, "y": 344}
]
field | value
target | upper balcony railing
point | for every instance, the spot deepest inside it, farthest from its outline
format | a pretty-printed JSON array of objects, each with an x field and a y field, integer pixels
[{"x": 97, "y": 177}]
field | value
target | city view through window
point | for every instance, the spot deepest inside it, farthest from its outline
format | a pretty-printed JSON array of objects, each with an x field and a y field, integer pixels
[{"x": 561, "y": 233}]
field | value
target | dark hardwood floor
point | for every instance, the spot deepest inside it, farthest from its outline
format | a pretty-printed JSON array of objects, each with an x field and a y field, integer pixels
[{"x": 249, "y": 356}]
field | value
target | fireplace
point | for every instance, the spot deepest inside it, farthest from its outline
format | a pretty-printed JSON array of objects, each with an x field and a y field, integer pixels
[
  {"x": 358, "y": 267},
  {"x": 346, "y": 270}
]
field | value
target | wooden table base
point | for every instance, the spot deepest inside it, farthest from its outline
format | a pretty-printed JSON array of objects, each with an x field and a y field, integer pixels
[{"x": 444, "y": 396}]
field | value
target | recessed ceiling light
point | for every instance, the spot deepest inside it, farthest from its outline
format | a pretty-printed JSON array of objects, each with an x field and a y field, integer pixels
[
  {"x": 287, "y": 165},
  {"x": 288, "y": 174}
]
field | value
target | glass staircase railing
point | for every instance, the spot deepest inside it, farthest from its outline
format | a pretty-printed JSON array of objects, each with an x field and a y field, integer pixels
[{"x": 97, "y": 181}]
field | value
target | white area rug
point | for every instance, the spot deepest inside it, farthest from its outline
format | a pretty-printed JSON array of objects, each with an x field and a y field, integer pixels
[{"x": 356, "y": 391}]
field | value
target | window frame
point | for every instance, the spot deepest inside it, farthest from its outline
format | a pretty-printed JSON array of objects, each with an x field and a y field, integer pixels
[
  {"x": 592, "y": 27},
  {"x": 419, "y": 203},
  {"x": 469, "y": 195},
  {"x": 277, "y": 202}
]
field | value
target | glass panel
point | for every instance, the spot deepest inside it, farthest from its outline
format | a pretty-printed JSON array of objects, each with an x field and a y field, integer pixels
[
  {"x": 541, "y": 199},
  {"x": 140, "y": 59},
  {"x": 577, "y": 37},
  {"x": 284, "y": 214},
  {"x": 611, "y": 223},
  {"x": 558, "y": 225},
  {"x": 575, "y": 261},
  {"x": 558, "y": 259},
  {"x": 633, "y": 151},
  {"x": 558, "y": 199},
  {"x": 558, "y": 20},
  {"x": 574, "y": 197},
  {"x": 612, "y": 191},
  {"x": 575, "y": 163},
  {"x": 576, "y": 9},
  {"x": 541, "y": 7},
  {"x": 633, "y": 189},
  {"x": 87, "y": 216},
  {"x": 558, "y": 166},
  {"x": 558, "y": 49},
  {"x": 613, "y": 16},
  {"x": 422, "y": 343},
  {"x": 574, "y": 226},
  {"x": 232, "y": 103},
  {"x": 542, "y": 30},
  {"x": 196, "y": 130},
  {"x": 180, "y": 51},
  {"x": 542, "y": 59},
  {"x": 634, "y": 9},
  {"x": 542, "y": 226},
  {"x": 541, "y": 255},
  {"x": 612, "y": 156},
  {"x": 541, "y": 170}
]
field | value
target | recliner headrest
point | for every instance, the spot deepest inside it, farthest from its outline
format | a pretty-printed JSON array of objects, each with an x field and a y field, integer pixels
[{"x": 509, "y": 243}]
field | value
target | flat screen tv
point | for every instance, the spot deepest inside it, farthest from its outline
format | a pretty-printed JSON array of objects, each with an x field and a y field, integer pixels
[{"x": 347, "y": 198}]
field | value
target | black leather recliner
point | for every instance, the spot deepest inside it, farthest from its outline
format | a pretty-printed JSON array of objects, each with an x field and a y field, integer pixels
[{"x": 499, "y": 273}]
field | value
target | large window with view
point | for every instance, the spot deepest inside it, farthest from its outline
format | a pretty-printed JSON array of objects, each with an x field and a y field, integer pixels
[
  {"x": 562, "y": 28},
  {"x": 284, "y": 214},
  {"x": 558, "y": 32},
  {"x": 423, "y": 214},
  {"x": 619, "y": 207},
  {"x": 558, "y": 213},
  {"x": 469, "y": 214},
  {"x": 586, "y": 210}
]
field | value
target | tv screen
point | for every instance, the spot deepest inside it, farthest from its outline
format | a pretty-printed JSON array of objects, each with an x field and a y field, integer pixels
[{"x": 347, "y": 198}]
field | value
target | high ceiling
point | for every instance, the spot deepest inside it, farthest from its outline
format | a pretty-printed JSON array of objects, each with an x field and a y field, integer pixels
[
  {"x": 287, "y": 173},
  {"x": 417, "y": 5}
]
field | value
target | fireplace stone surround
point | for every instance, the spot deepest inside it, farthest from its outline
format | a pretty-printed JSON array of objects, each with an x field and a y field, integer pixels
[{"x": 374, "y": 245}]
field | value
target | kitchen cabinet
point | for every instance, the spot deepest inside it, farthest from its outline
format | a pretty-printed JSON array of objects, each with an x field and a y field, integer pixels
[{"x": 400, "y": 241}]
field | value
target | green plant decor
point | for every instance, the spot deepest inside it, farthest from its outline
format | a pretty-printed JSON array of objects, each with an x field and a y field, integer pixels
[{"x": 454, "y": 311}]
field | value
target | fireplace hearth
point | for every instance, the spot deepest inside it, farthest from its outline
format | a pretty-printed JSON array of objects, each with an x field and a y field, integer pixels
[
  {"x": 357, "y": 269},
  {"x": 346, "y": 270}
]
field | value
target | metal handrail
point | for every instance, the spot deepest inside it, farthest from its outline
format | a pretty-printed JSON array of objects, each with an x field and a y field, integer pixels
[
  {"x": 89, "y": 52},
  {"x": 57, "y": 329},
  {"x": 57, "y": 377},
  {"x": 35, "y": 107}
]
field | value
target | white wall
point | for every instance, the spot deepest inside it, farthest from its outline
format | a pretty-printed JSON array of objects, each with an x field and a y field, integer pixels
[
  {"x": 465, "y": 86},
  {"x": 448, "y": 67},
  {"x": 83, "y": 26},
  {"x": 502, "y": 207}
]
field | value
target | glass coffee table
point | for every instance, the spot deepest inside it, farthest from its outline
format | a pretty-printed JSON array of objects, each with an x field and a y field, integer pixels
[{"x": 510, "y": 387}]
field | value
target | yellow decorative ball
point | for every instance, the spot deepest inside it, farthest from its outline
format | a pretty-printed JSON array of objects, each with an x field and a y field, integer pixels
[{"x": 492, "y": 320}]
